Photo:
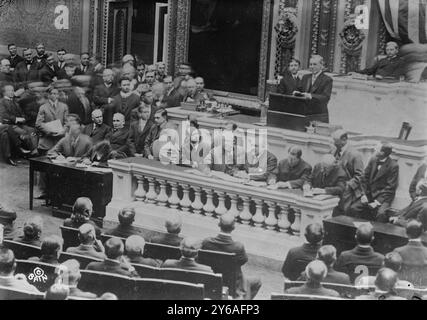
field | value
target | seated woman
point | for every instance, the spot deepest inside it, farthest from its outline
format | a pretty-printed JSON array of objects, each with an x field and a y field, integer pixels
[{"x": 100, "y": 153}]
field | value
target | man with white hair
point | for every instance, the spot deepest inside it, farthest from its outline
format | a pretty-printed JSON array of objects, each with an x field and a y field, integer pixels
[
  {"x": 317, "y": 88},
  {"x": 89, "y": 245},
  {"x": 193, "y": 95},
  {"x": 98, "y": 130},
  {"x": 103, "y": 93},
  {"x": 128, "y": 59},
  {"x": 328, "y": 177},
  {"x": 5, "y": 73},
  {"x": 121, "y": 134},
  {"x": 134, "y": 246}
]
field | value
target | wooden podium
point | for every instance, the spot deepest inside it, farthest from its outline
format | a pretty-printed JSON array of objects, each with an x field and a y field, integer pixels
[{"x": 293, "y": 113}]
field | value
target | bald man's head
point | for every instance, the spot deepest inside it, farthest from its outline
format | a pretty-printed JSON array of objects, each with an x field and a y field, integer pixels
[
  {"x": 414, "y": 229},
  {"x": 365, "y": 234},
  {"x": 97, "y": 117},
  {"x": 190, "y": 247},
  {"x": 314, "y": 233},
  {"x": 316, "y": 271},
  {"x": 173, "y": 223},
  {"x": 386, "y": 279},
  {"x": 226, "y": 222}
]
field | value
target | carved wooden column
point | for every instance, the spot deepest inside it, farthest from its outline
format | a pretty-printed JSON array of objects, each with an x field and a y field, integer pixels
[
  {"x": 174, "y": 199},
  {"x": 197, "y": 204},
  {"x": 209, "y": 207},
  {"x": 271, "y": 221},
  {"x": 245, "y": 215},
  {"x": 140, "y": 191},
  {"x": 221, "y": 209},
  {"x": 151, "y": 194},
  {"x": 258, "y": 217},
  {"x": 185, "y": 201},
  {"x": 162, "y": 197}
]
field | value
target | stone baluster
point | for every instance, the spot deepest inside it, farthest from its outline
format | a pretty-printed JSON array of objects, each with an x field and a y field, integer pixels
[
  {"x": 271, "y": 221},
  {"x": 174, "y": 199},
  {"x": 245, "y": 214},
  {"x": 221, "y": 209},
  {"x": 162, "y": 197},
  {"x": 258, "y": 217},
  {"x": 185, "y": 201},
  {"x": 151, "y": 194},
  {"x": 283, "y": 222},
  {"x": 296, "y": 226},
  {"x": 197, "y": 204},
  {"x": 140, "y": 191},
  {"x": 233, "y": 207},
  {"x": 209, "y": 206}
]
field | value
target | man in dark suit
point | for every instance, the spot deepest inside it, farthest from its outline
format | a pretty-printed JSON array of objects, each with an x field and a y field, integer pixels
[
  {"x": 328, "y": 254},
  {"x": 79, "y": 104},
  {"x": 140, "y": 128},
  {"x": 246, "y": 287},
  {"x": 291, "y": 173},
  {"x": 298, "y": 258},
  {"x": 379, "y": 186},
  {"x": 160, "y": 123},
  {"x": 114, "y": 263},
  {"x": 83, "y": 68},
  {"x": 125, "y": 229},
  {"x": 98, "y": 130},
  {"x": 103, "y": 93},
  {"x": 49, "y": 71},
  {"x": 41, "y": 54},
  {"x": 125, "y": 102},
  {"x": 119, "y": 139},
  {"x": 419, "y": 175},
  {"x": 414, "y": 256},
  {"x": 135, "y": 250},
  {"x": 173, "y": 225},
  {"x": 362, "y": 255},
  {"x": 416, "y": 209},
  {"x": 89, "y": 245},
  {"x": 61, "y": 59},
  {"x": 27, "y": 70},
  {"x": 316, "y": 272},
  {"x": 75, "y": 144},
  {"x": 317, "y": 88},
  {"x": 6, "y": 76},
  {"x": 328, "y": 177},
  {"x": 173, "y": 97},
  {"x": 14, "y": 58},
  {"x": 291, "y": 79},
  {"x": 189, "y": 250}
]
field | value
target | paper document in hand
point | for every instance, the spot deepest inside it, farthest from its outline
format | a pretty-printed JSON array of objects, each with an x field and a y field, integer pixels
[{"x": 54, "y": 126}]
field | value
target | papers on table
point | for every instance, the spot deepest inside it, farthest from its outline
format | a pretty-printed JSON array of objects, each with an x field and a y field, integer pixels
[{"x": 60, "y": 161}]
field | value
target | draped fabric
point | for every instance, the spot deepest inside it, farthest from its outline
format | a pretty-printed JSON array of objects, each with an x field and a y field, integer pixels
[{"x": 405, "y": 20}]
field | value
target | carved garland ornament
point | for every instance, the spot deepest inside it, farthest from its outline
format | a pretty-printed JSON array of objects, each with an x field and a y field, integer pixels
[
  {"x": 287, "y": 28},
  {"x": 351, "y": 37}
]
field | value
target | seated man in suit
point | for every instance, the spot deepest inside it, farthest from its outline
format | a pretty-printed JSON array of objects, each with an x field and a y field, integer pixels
[
  {"x": 114, "y": 262},
  {"x": 379, "y": 186},
  {"x": 417, "y": 208},
  {"x": 140, "y": 128},
  {"x": 328, "y": 254},
  {"x": 421, "y": 174},
  {"x": 246, "y": 287},
  {"x": 124, "y": 102},
  {"x": 385, "y": 283},
  {"x": 32, "y": 231},
  {"x": 291, "y": 79},
  {"x": 73, "y": 277},
  {"x": 291, "y": 173},
  {"x": 75, "y": 144},
  {"x": 195, "y": 150},
  {"x": 14, "y": 58},
  {"x": 49, "y": 72},
  {"x": 50, "y": 249},
  {"x": 298, "y": 258},
  {"x": 160, "y": 123},
  {"x": 328, "y": 177},
  {"x": 89, "y": 245},
  {"x": 81, "y": 212},
  {"x": 7, "y": 218},
  {"x": 8, "y": 278},
  {"x": 125, "y": 229},
  {"x": 173, "y": 96},
  {"x": 316, "y": 272},
  {"x": 135, "y": 250},
  {"x": 103, "y": 93},
  {"x": 119, "y": 139},
  {"x": 414, "y": 255},
  {"x": 173, "y": 225},
  {"x": 189, "y": 251},
  {"x": 100, "y": 153},
  {"x": 362, "y": 255},
  {"x": 98, "y": 130}
]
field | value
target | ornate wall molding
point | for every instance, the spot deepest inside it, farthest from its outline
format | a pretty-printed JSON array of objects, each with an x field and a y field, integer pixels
[
  {"x": 265, "y": 45},
  {"x": 172, "y": 14},
  {"x": 182, "y": 31}
]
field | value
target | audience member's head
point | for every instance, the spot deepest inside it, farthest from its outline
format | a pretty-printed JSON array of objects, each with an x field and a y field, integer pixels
[
  {"x": 295, "y": 154},
  {"x": 314, "y": 233},
  {"x": 168, "y": 82},
  {"x": 173, "y": 223},
  {"x": 82, "y": 210},
  {"x": 114, "y": 248},
  {"x": 108, "y": 76},
  {"x": 140, "y": 68},
  {"x": 126, "y": 216},
  {"x": 385, "y": 151},
  {"x": 125, "y": 85},
  {"x": 316, "y": 271},
  {"x": 316, "y": 64},
  {"x": 327, "y": 254},
  {"x": 414, "y": 229},
  {"x": 386, "y": 280},
  {"x": 227, "y": 223},
  {"x": 33, "y": 228},
  {"x": 5, "y": 66},
  {"x": 51, "y": 247},
  {"x": 97, "y": 117},
  {"x": 134, "y": 246},
  {"x": 28, "y": 54},
  {"x": 84, "y": 59},
  {"x": 53, "y": 94},
  {"x": 190, "y": 247},
  {"x": 340, "y": 138},
  {"x": 294, "y": 66},
  {"x": 57, "y": 292},
  {"x": 191, "y": 86},
  {"x": 161, "y": 116},
  {"x": 365, "y": 234},
  {"x": 108, "y": 296},
  {"x": 40, "y": 49},
  {"x": 393, "y": 261},
  {"x": 392, "y": 49},
  {"x": 72, "y": 271},
  {"x": 8, "y": 91},
  {"x": 60, "y": 53},
  {"x": 87, "y": 234},
  {"x": 200, "y": 83},
  {"x": 150, "y": 77},
  {"x": 128, "y": 58},
  {"x": 7, "y": 262},
  {"x": 161, "y": 67},
  {"x": 118, "y": 121},
  {"x": 13, "y": 50}
]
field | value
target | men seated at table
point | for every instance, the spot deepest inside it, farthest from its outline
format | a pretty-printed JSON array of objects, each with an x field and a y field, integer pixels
[
  {"x": 362, "y": 255},
  {"x": 50, "y": 250},
  {"x": 328, "y": 255},
  {"x": 160, "y": 123},
  {"x": 32, "y": 231},
  {"x": 389, "y": 67},
  {"x": 75, "y": 144},
  {"x": 98, "y": 130},
  {"x": 379, "y": 186},
  {"x": 73, "y": 277},
  {"x": 120, "y": 136},
  {"x": 291, "y": 79},
  {"x": 298, "y": 258},
  {"x": 125, "y": 228},
  {"x": 417, "y": 208},
  {"x": 8, "y": 278},
  {"x": 291, "y": 173},
  {"x": 189, "y": 251},
  {"x": 247, "y": 287},
  {"x": 414, "y": 256},
  {"x": 385, "y": 283},
  {"x": 173, "y": 226},
  {"x": 81, "y": 212},
  {"x": 327, "y": 177},
  {"x": 316, "y": 272},
  {"x": 134, "y": 246},
  {"x": 114, "y": 262},
  {"x": 89, "y": 245}
]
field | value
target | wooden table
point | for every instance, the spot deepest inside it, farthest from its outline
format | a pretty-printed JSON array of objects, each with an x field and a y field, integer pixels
[{"x": 67, "y": 183}]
